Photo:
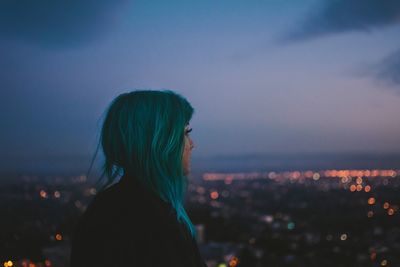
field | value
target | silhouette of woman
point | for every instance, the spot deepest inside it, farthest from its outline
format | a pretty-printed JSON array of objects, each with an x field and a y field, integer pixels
[{"x": 140, "y": 219}]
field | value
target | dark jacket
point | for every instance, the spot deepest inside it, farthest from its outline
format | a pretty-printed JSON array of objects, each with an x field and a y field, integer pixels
[{"x": 126, "y": 225}]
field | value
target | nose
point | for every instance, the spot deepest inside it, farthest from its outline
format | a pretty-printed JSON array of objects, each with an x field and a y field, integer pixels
[{"x": 191, "y": 143}]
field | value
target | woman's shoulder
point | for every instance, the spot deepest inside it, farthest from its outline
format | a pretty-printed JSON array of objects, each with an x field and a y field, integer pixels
[
  {"x": 116, "y": 220},
  {"x": 126, "y": 204}
]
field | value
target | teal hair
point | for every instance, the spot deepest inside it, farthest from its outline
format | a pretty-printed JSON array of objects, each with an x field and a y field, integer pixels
[{"x": 143, "y": 134}]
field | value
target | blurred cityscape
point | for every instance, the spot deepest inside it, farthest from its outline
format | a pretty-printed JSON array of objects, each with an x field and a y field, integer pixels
[{"x": 308, "y": 218}]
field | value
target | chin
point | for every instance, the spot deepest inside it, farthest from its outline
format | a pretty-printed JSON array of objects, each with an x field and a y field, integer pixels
[{"x": 186, "y": 171}]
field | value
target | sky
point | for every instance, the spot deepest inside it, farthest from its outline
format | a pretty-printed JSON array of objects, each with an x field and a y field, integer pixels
[{"x": 264, "y": 77}]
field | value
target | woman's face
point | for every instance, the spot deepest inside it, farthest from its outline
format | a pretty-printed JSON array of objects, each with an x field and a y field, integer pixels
[{"x": 187, "y": 150}]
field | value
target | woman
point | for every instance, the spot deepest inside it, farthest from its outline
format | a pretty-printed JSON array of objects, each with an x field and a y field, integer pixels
[{"x": 140, "y": 220}]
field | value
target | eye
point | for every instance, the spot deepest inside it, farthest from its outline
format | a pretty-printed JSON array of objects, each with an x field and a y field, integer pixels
[{"x": 187, "y": 131}]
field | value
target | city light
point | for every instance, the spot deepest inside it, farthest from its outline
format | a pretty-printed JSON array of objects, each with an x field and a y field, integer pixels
[
  {"x": 390, "y": 211},
  {"x": 59, "y": 237},
  {"x": 343, "y": 237},
  {"x": 345, "y": 179},
  {"x": 43, "y": 194},
  {"x": 214, "y": 194},
  {"x": 371, "y": 201},
  {"x": 352, "y": 180},
  {"x": 353, "y": 188},
  {"x": 346, "y": 175},
  {"x": 57, "y": 194},
  {"x": 228, "y": 180},
  {"x": 233, "y": 261},
  {"x": 269, "y": 202}
]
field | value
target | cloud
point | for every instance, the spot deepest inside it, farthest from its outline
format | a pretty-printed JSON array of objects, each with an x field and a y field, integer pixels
[
  {"x": 336, "y": 16},
  {"x": 385, "y": 72},
  {"x": 339, "y": 16},
  {"x": 388, "y": 70},
  {"x": 56, "y": 22}
]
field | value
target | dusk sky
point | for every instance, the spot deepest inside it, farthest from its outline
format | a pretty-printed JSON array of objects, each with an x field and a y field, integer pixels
[{"x": 263, "y": 76}]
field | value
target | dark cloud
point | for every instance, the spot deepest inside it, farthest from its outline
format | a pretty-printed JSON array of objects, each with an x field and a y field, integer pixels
[
  {"x": 56, "y": 22},
  {"x": 388, "y": 70},
  {"x": 335, "y": 16}
]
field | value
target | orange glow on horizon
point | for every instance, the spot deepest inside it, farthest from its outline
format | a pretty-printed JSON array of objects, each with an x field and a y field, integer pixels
[{"x": 297, "y": 175}]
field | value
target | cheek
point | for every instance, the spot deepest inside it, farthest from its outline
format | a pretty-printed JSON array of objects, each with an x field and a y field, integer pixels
[
  {"x": 186, "y": 144},
  {"x": 185, "y": 148}
]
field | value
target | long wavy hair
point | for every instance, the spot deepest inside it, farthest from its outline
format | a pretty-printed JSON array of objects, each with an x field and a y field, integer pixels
[{"x": 143, "y": 133}]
